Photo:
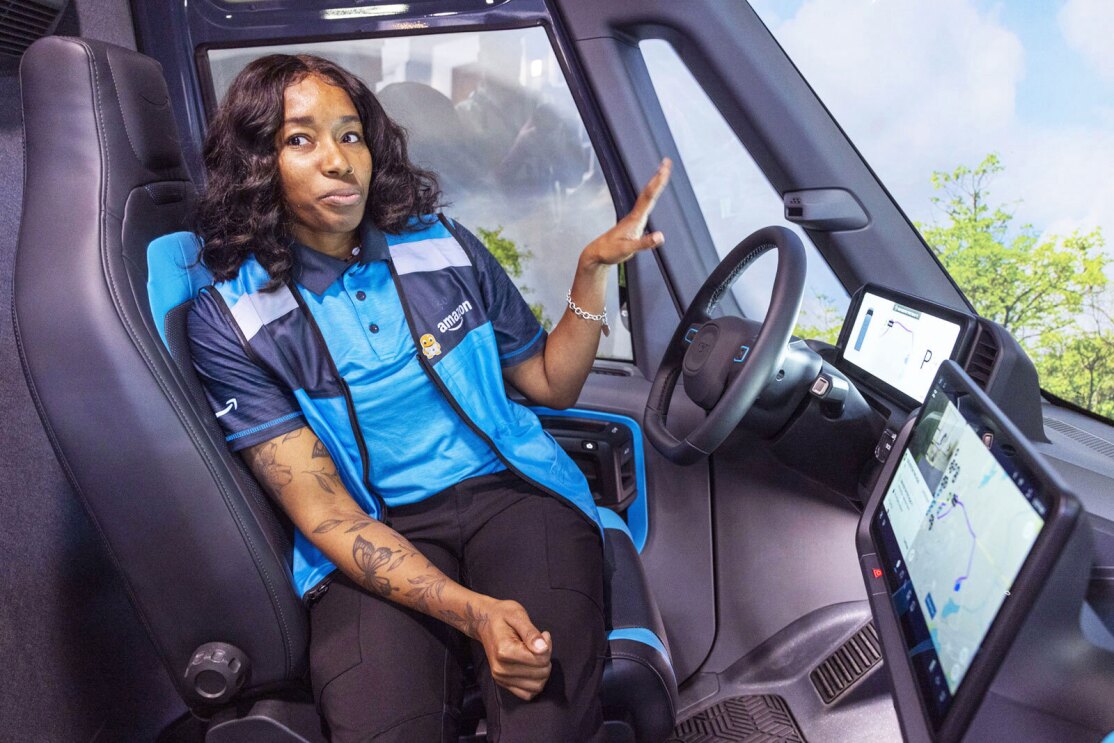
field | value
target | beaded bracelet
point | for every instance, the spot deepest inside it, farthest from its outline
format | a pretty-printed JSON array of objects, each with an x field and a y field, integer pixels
[{"x": 588, "y": 315}]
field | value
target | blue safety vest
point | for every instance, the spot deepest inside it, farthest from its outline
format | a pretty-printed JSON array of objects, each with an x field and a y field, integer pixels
[{"x": 457, "y": 349}]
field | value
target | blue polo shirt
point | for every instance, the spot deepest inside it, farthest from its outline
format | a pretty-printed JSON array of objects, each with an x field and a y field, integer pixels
[{"x": 417, "y": 444}]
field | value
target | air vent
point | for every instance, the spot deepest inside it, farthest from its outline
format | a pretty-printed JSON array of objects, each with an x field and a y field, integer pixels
[
  {"x": 22, "y": 22},
  {"x": 1099, "y": 444},
  {"x": 849, "y": 663},
  {"x": 984, "y": 355}
]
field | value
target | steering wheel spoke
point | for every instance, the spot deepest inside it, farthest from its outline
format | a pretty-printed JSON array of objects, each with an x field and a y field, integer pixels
[{"x": 726, "y": 362}]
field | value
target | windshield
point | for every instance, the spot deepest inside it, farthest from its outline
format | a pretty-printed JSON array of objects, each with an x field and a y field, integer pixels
[{"x": 992, "y": 124}]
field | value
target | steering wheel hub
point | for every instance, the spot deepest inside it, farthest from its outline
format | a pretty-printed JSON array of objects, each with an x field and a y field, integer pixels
[{"x": 715, "y": 357}]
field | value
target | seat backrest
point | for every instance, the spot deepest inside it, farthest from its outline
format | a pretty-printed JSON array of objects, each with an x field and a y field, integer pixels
[{"x": 202, "y": 555}]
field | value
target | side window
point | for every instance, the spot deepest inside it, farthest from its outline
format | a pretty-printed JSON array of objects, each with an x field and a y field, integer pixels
[
  {"x": 735, "y": 197},
  {"x": 489, "y": 112}
]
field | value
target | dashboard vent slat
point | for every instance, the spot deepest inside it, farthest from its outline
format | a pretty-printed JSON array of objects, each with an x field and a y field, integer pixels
[
  {"x": 983, "y": 357},
  {"x": 1096, "y": 443}
]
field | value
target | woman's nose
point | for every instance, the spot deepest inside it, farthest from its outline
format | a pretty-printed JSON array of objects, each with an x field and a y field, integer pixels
[{"x": 333, "y": 160}]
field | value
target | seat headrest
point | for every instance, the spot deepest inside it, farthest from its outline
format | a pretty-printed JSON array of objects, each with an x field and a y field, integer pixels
[{"x": 145, "y": 106}]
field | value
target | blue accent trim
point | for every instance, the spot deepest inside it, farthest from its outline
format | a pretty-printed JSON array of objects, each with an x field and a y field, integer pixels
[
  {"x": 174, "y": 275},
  {"x": 257, "y": 429},
  {"x": 1109, "y": 738},
  {"x": 741, "y": 356},
  {"x": 642, "y": 635},
  {"x": 691, "y": 333},
  {"x": 524, "y": 348},
  {"x": 612, "y": 520},
  {"x": 638, "y": 518}
]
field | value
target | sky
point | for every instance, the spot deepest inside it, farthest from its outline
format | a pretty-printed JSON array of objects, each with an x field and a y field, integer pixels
[{"x": 926, "y": 85}]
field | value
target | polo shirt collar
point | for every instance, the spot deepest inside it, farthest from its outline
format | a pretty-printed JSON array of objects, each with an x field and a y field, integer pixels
[{"x": 316, "y": 271}]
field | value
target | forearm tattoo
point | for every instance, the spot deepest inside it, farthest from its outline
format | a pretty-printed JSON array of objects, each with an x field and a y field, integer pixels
[
  {"x": 356, "y": 524},
  {"x": 274, "y": 475},
  {"x": 373, "y": 562},
  {"x": 426, "y": 588},
  {"x": 330, "y": 482},
  {"x": 470, "y": 624}
]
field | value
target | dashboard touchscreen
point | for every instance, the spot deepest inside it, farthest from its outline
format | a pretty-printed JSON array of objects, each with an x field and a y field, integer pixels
[
  {"x": 901, "y": 342},
  {"x": 958, "y": 520}
]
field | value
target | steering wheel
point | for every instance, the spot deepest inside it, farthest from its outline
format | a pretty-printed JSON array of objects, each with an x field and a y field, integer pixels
[{"x": 727, "y": 361}]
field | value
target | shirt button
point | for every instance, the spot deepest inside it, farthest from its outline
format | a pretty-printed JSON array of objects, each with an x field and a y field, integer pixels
[
  {"x": 361, "y": 296},
  {"x": 373, "y": 328}
]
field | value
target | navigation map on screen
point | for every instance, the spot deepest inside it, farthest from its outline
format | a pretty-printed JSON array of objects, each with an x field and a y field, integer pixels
[
  {"x": 899, "y": 345},
  {"x": 963, "y": 526}
]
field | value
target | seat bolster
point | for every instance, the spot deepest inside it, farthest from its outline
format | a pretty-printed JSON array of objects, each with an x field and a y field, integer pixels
[
  {"x": 638, "y": 676},
  {"x": 630, "y": 601},
  {"x": 638, "y": 679}
]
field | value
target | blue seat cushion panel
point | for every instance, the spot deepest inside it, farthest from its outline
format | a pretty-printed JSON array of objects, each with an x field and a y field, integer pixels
[{"x": 174, "y": 275}]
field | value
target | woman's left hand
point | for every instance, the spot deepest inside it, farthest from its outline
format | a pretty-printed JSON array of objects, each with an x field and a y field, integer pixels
[{"x": 626, "y": 238}]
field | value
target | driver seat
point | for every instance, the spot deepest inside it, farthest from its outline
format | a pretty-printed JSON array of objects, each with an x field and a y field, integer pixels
[{"x": 100, "y": 326}]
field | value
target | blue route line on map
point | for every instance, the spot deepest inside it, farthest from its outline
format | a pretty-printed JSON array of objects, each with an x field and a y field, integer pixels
[{"x": 974, "y": 539}]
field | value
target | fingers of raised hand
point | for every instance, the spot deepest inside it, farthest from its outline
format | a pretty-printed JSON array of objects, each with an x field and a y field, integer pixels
[
  {"x": 651, "y": 240},
  {"x": 650, "y": 194}
]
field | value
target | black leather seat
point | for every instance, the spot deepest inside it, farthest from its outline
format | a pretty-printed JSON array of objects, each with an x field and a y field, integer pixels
[{"x": 204, "y": 556}]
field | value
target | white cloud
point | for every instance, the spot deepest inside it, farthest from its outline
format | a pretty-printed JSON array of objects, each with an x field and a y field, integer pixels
[
  {"x": 922, "y": 86},
  {"x": 1086, "y": 26},
  {"x": 919, "y": 86},
  {"x": 1055, "y": 173}
]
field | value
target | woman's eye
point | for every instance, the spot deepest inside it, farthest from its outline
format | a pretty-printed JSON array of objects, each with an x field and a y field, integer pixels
[
  {"x": 350, "y": 137},
  {"x": 298, "y": 140}
]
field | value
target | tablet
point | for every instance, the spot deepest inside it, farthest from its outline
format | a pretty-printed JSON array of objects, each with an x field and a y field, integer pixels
[
  {"x": 896, "y": 342},
  {"x": 967, "y": 529}
]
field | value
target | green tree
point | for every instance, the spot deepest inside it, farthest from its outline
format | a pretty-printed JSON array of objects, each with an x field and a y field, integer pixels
[
  {"x": 1049, "y": 291},
  {"x": 1028, "y": 283},
  {"x": 513, "y": 261},
  {"x": 821, "y": 319}
]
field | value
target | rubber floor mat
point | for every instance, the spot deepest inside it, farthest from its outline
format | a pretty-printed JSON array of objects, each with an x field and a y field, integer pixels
[{"x": 757, "y": 719}]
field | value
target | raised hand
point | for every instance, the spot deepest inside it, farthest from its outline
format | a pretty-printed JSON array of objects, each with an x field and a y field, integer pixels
[{"x": 626, "y": 238}]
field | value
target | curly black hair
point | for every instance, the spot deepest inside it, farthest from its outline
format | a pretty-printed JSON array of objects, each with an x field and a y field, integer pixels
[{"x": 242, "y": 211}]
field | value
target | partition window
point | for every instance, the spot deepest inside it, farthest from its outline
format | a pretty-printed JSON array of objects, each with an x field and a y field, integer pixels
[{"x": 491, "y": 113}]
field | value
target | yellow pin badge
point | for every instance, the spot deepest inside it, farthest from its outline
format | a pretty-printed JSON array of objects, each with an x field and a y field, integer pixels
[{"x": 430, "y": 346}]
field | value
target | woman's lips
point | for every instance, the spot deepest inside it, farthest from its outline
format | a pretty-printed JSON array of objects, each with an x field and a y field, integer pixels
[{"x": 346, "y": 197}]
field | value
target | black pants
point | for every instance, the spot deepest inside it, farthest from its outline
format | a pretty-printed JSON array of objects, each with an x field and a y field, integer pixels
[{"x": 382, "y": 672}]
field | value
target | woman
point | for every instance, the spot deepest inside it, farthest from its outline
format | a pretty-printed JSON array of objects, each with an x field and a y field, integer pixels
[{"x": 355, "y": 347}]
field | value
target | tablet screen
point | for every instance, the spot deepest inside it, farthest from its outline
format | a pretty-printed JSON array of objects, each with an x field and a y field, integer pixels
[{"x": 957, "y": 523}]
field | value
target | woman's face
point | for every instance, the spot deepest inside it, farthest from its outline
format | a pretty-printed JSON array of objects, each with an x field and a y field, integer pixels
[{"x": 324, "y": 164}]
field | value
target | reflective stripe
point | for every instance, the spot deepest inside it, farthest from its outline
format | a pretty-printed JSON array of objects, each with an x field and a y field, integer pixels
[
  {"x": 262, "y": 426},
  {"x": 428, "y": 255},
  {"x": 642, "y": 635},
  {"x": 253, "y": 311}
]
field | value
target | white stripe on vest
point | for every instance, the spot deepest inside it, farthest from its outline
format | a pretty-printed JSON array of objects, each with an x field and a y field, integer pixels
[
  {"x": 428, "y": 255},
  {"x": 253, "y": 311}
]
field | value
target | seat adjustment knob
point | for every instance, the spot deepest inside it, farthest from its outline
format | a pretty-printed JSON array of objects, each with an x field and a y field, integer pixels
[{"x": 217, "y": 671}]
